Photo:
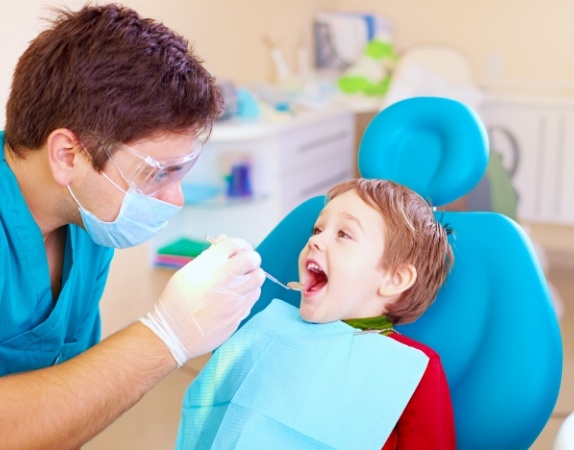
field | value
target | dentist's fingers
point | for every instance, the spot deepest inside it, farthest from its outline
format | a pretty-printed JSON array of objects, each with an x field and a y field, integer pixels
[
  {"x": 229, "y": 246},
  {"x": 205, "y": 301}
]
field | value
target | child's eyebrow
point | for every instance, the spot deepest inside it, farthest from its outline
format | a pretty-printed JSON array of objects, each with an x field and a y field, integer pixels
[{"x": 349, "y": 216}]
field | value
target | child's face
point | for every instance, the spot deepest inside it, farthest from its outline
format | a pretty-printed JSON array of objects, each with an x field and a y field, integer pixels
[{"x": 340, "y": 265}]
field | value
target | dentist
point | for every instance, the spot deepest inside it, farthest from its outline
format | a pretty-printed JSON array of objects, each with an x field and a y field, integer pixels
[{"x": 103, "y": 120}]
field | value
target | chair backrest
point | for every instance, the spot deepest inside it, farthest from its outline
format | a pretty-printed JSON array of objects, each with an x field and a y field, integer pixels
[{"x": 493, "y": 322}]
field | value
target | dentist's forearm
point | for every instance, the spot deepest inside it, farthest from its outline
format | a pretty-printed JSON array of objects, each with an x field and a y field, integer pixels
[{"x": 64, "y": 406}]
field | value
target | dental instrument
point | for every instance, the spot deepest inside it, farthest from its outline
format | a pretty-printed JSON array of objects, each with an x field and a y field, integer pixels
[
  {"x": 296, "y": 285},
  {"x": 291, "y": 285}
]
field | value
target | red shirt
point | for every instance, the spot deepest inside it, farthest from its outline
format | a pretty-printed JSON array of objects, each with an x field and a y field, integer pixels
[{"x": 427, "y": 423}]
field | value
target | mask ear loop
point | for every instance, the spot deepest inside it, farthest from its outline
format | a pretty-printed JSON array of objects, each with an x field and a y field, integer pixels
[
  {"x": 103, "y": 173},
  {"x": 68, "y": 185},
  {"x": 74, "y": 197},
  {"x": 147, "y": 160},
  {"x": 113, "y": 182}
]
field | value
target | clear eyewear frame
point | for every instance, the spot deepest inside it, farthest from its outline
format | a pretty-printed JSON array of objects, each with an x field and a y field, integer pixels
[{"x": 146, "y": 174}]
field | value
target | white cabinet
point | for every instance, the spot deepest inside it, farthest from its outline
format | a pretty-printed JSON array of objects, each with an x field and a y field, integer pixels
[
  {"x": 312, "y": 158},
  {"x": 290, "y": 161},
  {"x": 544, "y": 132}
]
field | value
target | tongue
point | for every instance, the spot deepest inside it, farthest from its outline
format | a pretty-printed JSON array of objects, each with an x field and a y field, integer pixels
[{"x": 315, "y": 281}]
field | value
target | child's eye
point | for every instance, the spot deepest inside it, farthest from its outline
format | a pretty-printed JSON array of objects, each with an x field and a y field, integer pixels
[
  {"x": 344, "y": 235},
  {"x": 315, "y": 230}
]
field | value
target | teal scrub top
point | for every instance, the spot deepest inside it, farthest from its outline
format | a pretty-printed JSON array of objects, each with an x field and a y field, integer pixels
[{"x": 37, "y": 330}]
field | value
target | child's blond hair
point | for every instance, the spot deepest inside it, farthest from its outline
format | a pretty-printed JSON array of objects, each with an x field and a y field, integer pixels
[{"x": 412, "y": 236}]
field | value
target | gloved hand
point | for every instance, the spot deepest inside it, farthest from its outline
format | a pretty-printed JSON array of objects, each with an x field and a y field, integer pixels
[{"x": 204, "y": 302}]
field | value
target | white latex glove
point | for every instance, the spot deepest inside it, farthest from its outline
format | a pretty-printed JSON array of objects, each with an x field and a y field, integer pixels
[{"x": 205, "y": 301}]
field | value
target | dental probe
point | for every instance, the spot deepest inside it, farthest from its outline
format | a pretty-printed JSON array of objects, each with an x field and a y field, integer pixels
[{"x": 291, "y": 285}]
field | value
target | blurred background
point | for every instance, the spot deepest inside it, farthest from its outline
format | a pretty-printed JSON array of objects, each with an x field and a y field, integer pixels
[{"x": 310, "y": 75}]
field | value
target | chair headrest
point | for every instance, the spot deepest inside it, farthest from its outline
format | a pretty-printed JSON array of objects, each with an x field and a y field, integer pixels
[{"x": 436, "y": 146}]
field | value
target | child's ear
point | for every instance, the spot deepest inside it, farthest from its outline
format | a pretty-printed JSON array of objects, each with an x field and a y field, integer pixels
[{"x": 399, "y": 281}]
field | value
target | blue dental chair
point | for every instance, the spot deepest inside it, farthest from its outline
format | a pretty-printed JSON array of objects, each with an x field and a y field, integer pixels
[{"x": 493, "y": 322}]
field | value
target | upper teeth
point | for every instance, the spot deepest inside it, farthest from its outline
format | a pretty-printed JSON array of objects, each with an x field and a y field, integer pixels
[{"x": 314, "y": 267}]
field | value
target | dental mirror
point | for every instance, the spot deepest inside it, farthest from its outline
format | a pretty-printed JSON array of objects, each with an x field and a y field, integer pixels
[{"x": 295, "y": 285}]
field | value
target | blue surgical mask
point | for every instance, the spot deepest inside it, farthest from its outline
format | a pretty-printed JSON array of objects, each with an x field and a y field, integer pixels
[{"x": 140, "y": 218}]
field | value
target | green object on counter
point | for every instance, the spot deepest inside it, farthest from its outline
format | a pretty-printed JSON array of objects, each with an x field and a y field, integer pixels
[
  {"x": 184, "y": 247},
  {"x": 371, "y": 73},
  {"x": 357, "y": 84},
  {"x": 378, "y": 49}
]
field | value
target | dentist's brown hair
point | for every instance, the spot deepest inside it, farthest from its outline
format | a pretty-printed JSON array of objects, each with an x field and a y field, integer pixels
[{"x": 105, "y": 71}]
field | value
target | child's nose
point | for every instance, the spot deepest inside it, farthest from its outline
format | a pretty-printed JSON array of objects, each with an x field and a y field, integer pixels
[{"x": 316, "y": 241}]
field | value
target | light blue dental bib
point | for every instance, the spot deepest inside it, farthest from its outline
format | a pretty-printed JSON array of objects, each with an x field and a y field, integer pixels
[{"x": 283, "y": 383}]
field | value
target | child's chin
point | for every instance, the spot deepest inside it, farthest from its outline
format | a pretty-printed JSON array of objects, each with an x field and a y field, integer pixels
[
  {"x": 312, "y": 318},
  {"x": 307, "y": 315}
]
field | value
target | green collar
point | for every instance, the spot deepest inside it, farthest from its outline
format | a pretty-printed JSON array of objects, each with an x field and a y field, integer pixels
[{"x": 372, "y": 323}]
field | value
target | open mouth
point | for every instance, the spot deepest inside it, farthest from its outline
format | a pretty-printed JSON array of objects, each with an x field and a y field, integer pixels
[{"x": 316, "y": 277}]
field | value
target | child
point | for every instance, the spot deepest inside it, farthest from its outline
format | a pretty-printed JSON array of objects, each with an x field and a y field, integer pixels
[
  {"x": 376, "y": 258},
  {"x": 361, "y": 218}
]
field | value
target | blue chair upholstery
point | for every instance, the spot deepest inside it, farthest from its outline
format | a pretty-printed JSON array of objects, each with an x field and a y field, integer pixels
[{"x": 493, "y": 322}]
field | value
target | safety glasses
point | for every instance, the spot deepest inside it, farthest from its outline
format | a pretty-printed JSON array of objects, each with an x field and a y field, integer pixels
[{"x": 146, "y": 174}]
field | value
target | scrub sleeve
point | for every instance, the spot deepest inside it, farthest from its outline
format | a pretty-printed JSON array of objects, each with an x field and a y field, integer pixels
[{"x": 36, "y": 329}]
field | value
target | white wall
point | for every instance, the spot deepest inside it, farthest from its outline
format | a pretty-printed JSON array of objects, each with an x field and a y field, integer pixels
[{"x": 533, "y": 39}]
